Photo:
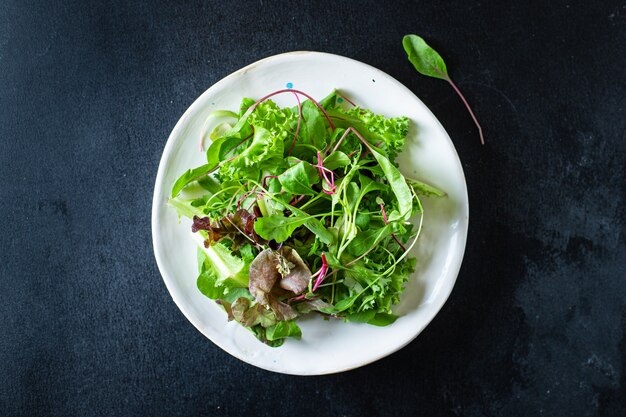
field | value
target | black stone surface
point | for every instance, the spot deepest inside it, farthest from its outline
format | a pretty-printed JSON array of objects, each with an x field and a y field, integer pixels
[{"x": 89, "y": 92}]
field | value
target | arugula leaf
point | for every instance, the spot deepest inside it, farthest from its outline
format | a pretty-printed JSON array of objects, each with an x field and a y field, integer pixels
[
  {"x": 372, "y": 317},
  {"x": 368, "y": 185},
  {"x": 398, "y": 185},
  {"x": 189, "y": 176},
  {"x": 342, "y": 305}
]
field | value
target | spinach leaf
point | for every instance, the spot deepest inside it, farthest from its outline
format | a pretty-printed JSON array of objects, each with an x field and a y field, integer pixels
[
  {"x": 336, "y": 160},
  {"x": 428, "y": 62},
  {"x": 368, "y": 185},
  {"x": 313, "y": 130},
  {"x": 297, "y": 180},
  {"x": 278, "y": 227},
  {"x": 424, "y": 58}
]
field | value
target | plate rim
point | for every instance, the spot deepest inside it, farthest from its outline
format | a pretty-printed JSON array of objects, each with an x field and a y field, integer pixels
[{"x": 158, "y": 191}]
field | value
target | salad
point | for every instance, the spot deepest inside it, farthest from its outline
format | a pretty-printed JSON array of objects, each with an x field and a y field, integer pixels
[{"x": 302, "y": 210}]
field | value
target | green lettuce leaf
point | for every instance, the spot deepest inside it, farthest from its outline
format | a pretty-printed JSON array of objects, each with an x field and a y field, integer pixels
[
  {"x": 263, "y": 153},
  {"x": 282, "y": 330}
]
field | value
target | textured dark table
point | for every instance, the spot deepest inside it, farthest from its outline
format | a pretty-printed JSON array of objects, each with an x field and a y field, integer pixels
[{"x": 88, "y": 96}]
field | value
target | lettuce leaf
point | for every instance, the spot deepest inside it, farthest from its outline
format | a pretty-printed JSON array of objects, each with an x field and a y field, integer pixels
[
  {"x": 386, "y": 133},
  {"x": 264, "y": 153}
]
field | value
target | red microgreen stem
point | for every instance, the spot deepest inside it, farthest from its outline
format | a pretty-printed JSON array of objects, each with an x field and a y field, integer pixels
[
  {"x": 265, "y": 179},
  {"x": 322, "y": 171},
  {"x": 345, "y": 134},
  {"x": 382, "y": 209},
  {"x": 218, "y": 166},
  {"x": 469, "y": 109},
  {"x": 322, "y": 273},
  {"x": 290, "y": 90},
  {"x": 295, "y": 136},
  {"x": 295, "y": 200},
  {"x": 246, "y": 195},
  {"x": 300, "y": 297}
]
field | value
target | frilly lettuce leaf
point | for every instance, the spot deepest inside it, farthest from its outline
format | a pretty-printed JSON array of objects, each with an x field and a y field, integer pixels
[
  {"x": 264, "y": 153},
  {"x": 387, "y": 133}
]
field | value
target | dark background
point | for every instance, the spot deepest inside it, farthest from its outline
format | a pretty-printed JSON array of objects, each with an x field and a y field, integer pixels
[{"x": 88, "y": 96}]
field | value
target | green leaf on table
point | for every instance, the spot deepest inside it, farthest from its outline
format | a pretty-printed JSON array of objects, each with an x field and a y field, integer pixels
[
  {"x": 424, "y": 58},
  {"x": 428, "y": 62}
]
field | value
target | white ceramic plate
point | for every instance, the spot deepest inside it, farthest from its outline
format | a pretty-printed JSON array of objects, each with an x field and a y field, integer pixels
[{"x": 326, "y": 346}]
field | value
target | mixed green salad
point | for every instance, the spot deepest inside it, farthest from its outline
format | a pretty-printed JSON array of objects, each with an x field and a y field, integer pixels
[{"x": 302, "y": 210}]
